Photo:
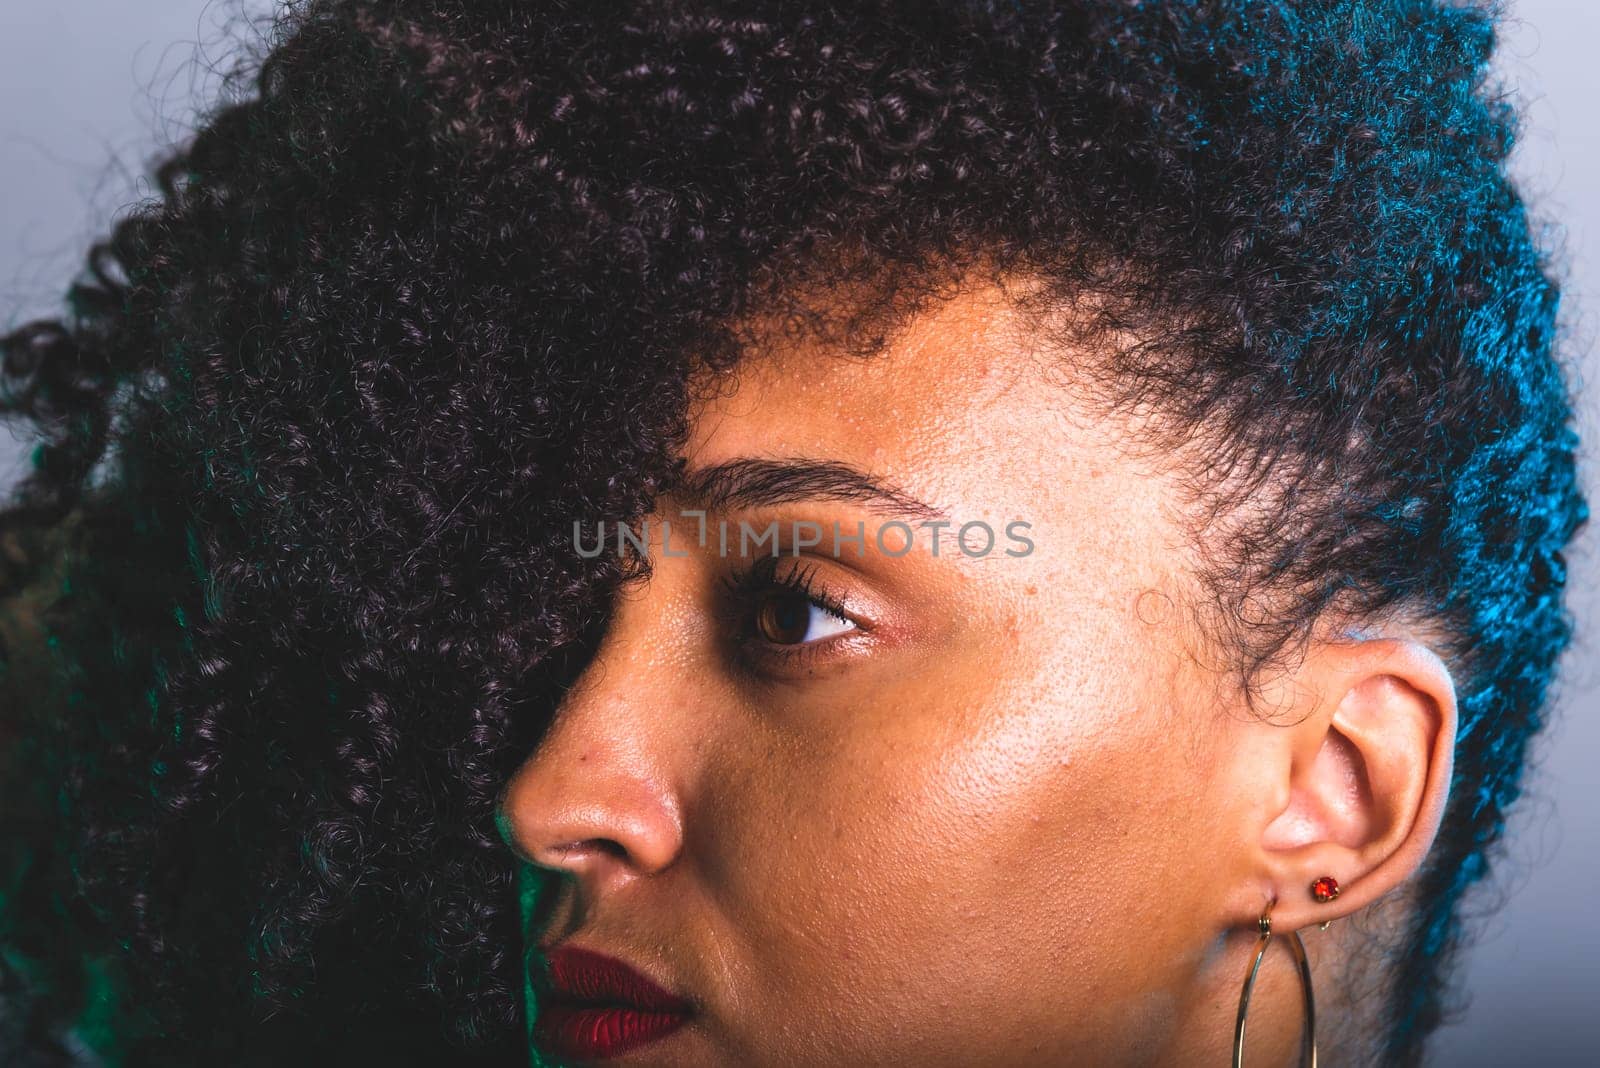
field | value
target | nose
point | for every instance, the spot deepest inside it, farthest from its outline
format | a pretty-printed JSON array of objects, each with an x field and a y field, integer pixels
[{"x": 594, "y": 799}]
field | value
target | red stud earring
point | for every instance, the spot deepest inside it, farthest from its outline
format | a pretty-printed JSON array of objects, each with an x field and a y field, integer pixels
[{"x": 1325, "y": 890}]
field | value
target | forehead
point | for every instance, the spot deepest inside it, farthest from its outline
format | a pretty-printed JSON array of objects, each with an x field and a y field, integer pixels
[
  {"x": 964, "y": 407},
  {"x": 928, "y": 380}
]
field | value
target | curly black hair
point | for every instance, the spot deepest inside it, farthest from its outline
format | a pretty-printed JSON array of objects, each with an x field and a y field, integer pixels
[{"x": 321, "y": 415}]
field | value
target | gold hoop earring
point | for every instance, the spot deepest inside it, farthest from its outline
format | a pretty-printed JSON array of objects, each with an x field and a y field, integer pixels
[{"x": 1308, "y": 1046}]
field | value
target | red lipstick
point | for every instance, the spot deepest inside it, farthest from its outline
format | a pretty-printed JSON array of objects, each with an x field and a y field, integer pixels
[{"x": 594, "y": 1006}]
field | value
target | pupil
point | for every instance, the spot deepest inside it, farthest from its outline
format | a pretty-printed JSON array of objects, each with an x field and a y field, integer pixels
[{"x": 785, "y": 619}]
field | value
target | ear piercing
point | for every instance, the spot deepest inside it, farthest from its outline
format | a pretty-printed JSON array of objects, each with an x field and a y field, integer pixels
[
  {"x": 1325, "y": 890},
  {"x": 1308, "y": 1036}
]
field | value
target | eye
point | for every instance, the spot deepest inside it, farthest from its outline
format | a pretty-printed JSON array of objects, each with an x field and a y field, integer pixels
[
  {"x": 779, "y": 615},
  {"x": 791, "y": 617}
]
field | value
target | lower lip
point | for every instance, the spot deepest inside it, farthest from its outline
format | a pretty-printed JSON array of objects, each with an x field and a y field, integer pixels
[{"x": 587, "y": 1032}]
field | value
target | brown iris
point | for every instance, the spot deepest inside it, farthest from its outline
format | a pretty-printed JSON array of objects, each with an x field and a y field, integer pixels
[{"x": 784, "y": 618}]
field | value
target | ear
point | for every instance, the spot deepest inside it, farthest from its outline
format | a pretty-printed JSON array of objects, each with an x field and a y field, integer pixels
[{"x": 1356, "y": 784}]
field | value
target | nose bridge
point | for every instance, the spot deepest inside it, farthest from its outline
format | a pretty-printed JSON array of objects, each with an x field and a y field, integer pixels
[{"x": 596, "y": 798}]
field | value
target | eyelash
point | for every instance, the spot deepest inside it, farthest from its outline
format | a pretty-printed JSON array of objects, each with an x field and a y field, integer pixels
[{"x": 745, "y": 586}]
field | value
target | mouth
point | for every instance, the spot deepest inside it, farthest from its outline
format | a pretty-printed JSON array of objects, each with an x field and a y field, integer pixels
[{"x": 595, "y": 1006}]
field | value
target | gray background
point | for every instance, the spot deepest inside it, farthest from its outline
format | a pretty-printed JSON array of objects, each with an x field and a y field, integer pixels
[{"x": 89, "y": 88}]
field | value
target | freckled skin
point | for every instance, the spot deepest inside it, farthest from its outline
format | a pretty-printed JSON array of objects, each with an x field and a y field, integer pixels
[{"x": 971, "y": 837}]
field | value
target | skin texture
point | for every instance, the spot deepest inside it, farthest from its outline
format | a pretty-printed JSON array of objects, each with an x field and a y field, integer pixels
[{"x": 1009, "y": 813}]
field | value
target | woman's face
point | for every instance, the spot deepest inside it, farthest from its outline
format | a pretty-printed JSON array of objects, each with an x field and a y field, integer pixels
[{"x": 877, "y": 807}]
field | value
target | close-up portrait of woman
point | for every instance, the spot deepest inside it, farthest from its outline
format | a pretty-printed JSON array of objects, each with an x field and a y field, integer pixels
[{"x": 888, "y": 532}]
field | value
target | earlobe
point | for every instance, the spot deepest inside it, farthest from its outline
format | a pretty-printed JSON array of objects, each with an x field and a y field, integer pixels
[{"x": 1368, "y": 772}]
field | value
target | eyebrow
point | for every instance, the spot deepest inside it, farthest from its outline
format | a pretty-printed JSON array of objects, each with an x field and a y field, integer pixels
[{"x": 755, "y": 482}]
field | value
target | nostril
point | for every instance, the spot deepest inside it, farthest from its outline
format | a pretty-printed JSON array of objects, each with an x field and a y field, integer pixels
[
  {"x": 570, "y": 852},
  {"x": 609, "y": 846}
]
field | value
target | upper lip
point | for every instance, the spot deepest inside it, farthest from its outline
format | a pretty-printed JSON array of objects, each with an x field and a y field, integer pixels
[{"x": 587, "y": 975}]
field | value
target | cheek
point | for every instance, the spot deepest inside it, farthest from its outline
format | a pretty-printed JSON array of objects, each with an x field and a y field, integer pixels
[{"x": 978, "y": 856}]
